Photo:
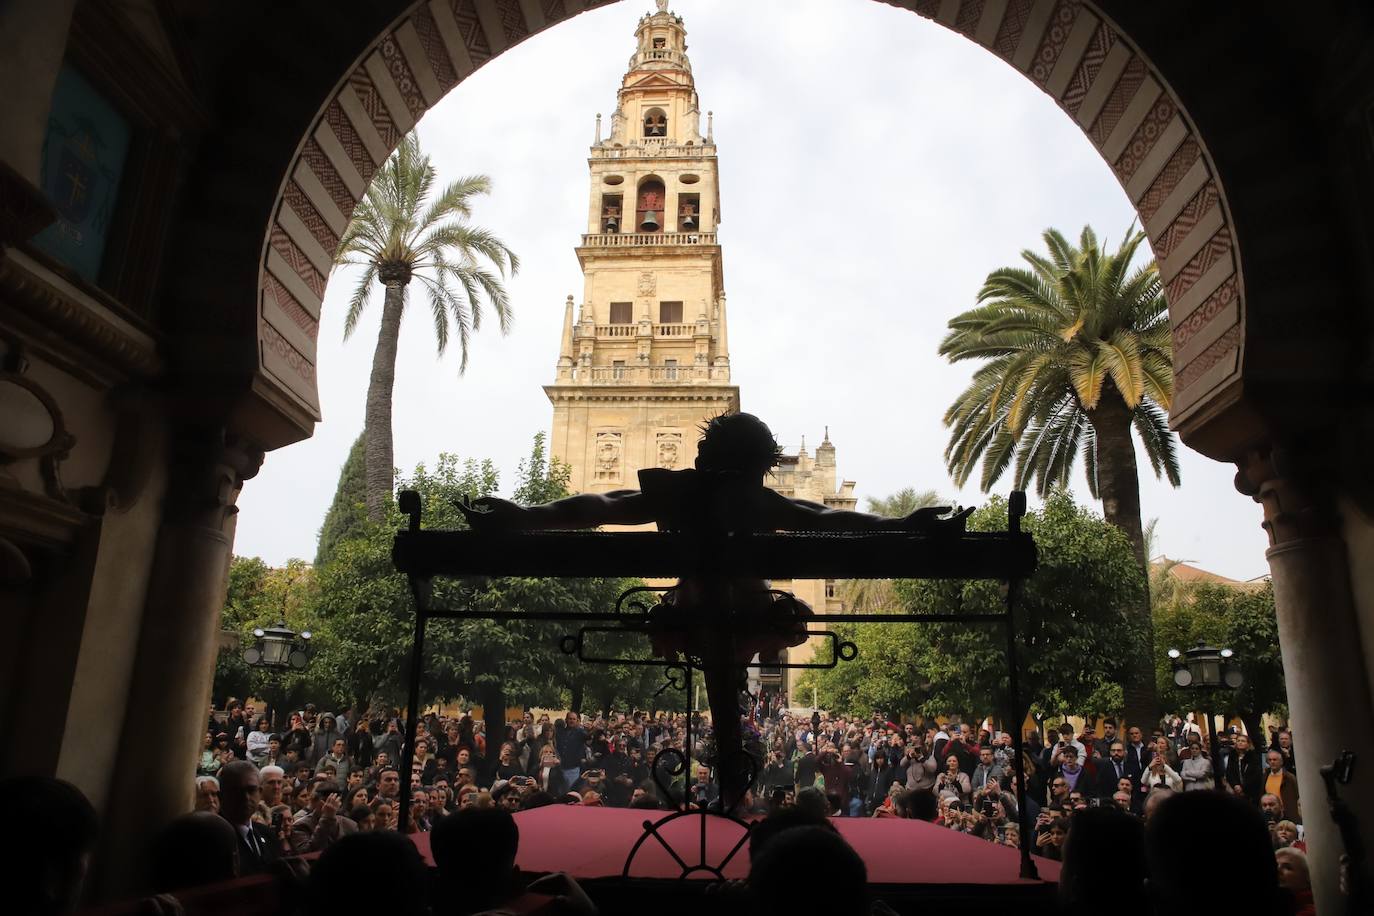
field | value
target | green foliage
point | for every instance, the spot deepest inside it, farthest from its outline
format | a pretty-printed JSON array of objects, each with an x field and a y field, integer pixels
[
  {"x": 904, "y": 502},
  {"x": 259, "y": 595},
  {"x": 1076, "y": 331},
  {"x": 1073, "y": 633},
  {"x": 347, "y": 515},
  {"x": 363, "y": 619},
  {"x": 876, "y": 596},
  {"x": 1242, "y": 619}
]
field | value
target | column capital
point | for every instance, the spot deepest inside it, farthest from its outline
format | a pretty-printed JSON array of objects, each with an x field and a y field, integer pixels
[
  {"x": 1295, "y": 489},
  {"x": 209, "y": 468}
]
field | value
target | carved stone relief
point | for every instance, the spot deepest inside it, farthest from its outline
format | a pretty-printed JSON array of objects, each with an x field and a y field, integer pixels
[
  {"x": 669, "y": 449},
  {"x": 648, "y": 285},
  {"x": 609, "y": 449}
]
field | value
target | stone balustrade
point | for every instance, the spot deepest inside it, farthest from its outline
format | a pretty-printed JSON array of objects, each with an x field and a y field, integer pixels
[
  {"x": 655, "y": 147},
  {"x": 640, "y": 375},
  {"x": 632, "y": 330},
  {"x": 646, "y": 239}
]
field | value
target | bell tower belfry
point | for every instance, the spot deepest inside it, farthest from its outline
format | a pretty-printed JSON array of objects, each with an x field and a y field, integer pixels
[{"x": 646, "y": 360}]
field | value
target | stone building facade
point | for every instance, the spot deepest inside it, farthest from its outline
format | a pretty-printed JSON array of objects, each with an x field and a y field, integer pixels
[{"x": 645, "y": 361}]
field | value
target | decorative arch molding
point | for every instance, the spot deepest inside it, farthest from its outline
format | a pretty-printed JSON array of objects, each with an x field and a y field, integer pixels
[{"x": 1069, "y": 48}]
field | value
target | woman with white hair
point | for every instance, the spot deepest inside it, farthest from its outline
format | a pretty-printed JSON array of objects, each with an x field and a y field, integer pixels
[{"x": 1295, "y": 878}]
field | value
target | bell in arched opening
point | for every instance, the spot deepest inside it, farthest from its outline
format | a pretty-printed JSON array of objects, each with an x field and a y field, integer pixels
[
  {"x": 655, "y": 123},
  {"x": 649, "y": 207}
]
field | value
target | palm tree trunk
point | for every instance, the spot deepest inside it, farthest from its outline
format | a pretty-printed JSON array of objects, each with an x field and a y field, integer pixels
[
  {"x": 1118, "y": 485},
  {"x": 379, "y": 455}
]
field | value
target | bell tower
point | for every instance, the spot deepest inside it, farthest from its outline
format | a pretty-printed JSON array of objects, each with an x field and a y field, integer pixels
[{"x": 646, "y": 360}]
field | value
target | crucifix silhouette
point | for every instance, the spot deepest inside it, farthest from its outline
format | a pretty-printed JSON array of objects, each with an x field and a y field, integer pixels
[{"x": 720, "y": 622}]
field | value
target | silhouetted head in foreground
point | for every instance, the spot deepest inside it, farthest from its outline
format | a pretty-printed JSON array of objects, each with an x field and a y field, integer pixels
[
  {"x": 195, "y": 849},
  {"x": 1194, "y": 837},
  {"x": 809, "y": 870},
  {"x": 376, "y": 872},
  {"x": 475, "y": 851},
  {"x": 739, "y": 442},
  {"x": 1104, "y": 858},
  {"x": 773, "y": 825},
  {"x": 813, "y": 800},
  {"x": 45, "y": 870}
]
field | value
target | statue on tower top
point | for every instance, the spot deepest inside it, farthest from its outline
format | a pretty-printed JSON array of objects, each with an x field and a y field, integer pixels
[{"x": 662, "y": 5}]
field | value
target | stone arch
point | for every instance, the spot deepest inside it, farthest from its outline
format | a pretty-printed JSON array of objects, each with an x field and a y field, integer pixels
[{"x": 1069, "y": 48}]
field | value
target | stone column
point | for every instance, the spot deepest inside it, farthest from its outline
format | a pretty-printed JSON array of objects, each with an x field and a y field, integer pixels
[
  {"x": 1329, "y": 705},
  {"x": 33, "y": 42},
  {"x": 165, "y": 714}
]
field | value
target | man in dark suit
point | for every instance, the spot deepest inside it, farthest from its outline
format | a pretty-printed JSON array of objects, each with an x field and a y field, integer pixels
[
  {"x": 1111, "y": 771},
  {"x": 239, "y": 791}
]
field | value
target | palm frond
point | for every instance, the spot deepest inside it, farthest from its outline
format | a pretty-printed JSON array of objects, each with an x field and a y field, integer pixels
[
  {"x": 358, "y": 302},
  {"x": 1161, "y": 448}
]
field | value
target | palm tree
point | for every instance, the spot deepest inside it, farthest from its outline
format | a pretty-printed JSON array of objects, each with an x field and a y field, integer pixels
[
  {"x": 397, "y": 234},
  {"x": 1166, "y": 589},
  {"x": 1076, "y": 353},
  {"x": 904, "y": 502}
]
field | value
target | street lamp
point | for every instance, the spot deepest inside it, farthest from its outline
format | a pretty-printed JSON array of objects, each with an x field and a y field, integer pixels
[
  {"x": 278, "y": 647},
  {"x": 1206, "y": 667}
]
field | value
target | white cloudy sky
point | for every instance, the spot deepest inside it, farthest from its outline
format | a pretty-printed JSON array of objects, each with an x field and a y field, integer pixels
[{"x": 874, "y": 168}]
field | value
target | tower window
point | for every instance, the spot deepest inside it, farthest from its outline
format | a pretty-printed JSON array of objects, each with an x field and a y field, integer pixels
[
  {"x": 617, "y": 368},
  {"x": 688, "y": 212},
  {"x": 670, "y": 368},
  {"x": 670, "y": 313},
  {"x": 622, "y": 313},
  {"x": 660, "y": 43},
  {"x": 610, "y": 212},
  {"x": 655, "y": 123},
  {"x": 649, "y": 210}
]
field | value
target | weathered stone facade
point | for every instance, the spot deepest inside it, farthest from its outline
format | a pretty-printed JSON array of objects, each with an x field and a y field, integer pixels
[{"x": 646, "y": 362}]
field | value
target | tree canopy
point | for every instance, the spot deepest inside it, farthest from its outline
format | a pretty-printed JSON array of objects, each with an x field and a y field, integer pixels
[
  {"x": 1072, "y": 630},
  {"x": 362, "y": 613},
  {"x": 1225, "y": 616}
]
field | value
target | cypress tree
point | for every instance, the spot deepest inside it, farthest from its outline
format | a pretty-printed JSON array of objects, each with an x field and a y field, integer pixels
[{"x": 347, "y": 515}]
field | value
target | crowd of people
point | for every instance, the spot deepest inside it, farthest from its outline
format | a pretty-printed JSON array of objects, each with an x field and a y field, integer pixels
[
  {"x": 327, "y": 776},
  {"x": 329, "y": 785}
]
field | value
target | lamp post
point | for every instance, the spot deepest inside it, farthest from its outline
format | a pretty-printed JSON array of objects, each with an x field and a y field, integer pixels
[
  {"x": 278, "y": 648},
  {"x": 1207, "y": 667}
]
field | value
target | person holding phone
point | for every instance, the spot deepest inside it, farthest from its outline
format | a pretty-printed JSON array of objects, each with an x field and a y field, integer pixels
[
  {"x": 1160, "y": 776},
  {"x": 321, "y": 825},
  {"x": 953, "y": 782}
]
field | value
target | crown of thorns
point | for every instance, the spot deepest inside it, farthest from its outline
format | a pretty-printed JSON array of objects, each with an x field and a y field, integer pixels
[{"x": 738, "y": 442}]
